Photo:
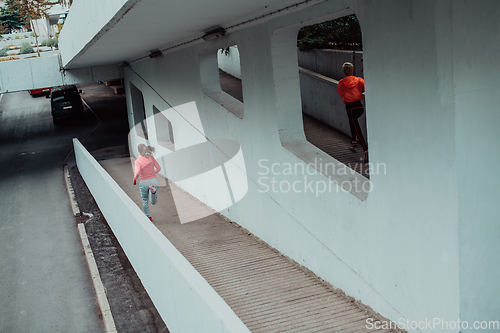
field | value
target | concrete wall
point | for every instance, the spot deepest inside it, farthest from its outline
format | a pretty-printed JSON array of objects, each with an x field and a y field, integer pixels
[
  {"x": 477, "y": 119},
  {"x": 183, "y": 298},
  {"x": 211, "y": 168},
  {"x": 362, "y": 247},
  {"x": 42, "y": 27},
  {"x": 422, "y": 244},
  {"x": 43, "y": 72},
  {"x": 230, "y": 63},
  {"x": 92, "y": 20},
  {"x": 30, "y": 40},
  {"x": 329, "y": 62}
]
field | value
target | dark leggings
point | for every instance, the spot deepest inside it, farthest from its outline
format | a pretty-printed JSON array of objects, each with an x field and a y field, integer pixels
[{"x": 354, "y": 111}]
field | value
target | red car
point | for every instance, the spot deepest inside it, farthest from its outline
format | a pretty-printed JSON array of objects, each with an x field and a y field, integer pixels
[{"x": 40, "y": 92}]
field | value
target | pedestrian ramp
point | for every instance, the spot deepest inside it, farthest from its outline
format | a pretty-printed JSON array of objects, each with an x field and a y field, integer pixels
[{"x": 269, "y": 292}]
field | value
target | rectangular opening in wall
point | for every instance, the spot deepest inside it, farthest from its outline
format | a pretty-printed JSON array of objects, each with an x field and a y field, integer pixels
[
  {"x": 228, "y": 60},
  {"x": 164, "y": 130},
  {"x": 139, "y": 111},
  {"x": 220, "y": 73},
  {"x": 334, "y": 124},
  {"x": 318, "y": 144}
]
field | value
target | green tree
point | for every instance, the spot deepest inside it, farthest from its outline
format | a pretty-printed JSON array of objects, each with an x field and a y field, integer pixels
[
  {"x": 10, "y": 17},
  {"x": 34, "y": 10},
  {"x": 343, "y": 33}
]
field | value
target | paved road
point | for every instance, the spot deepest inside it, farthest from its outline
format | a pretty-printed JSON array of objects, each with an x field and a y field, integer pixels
[
  {"x": 45, "y": 283},
  {"x": 44, "y": 278}
]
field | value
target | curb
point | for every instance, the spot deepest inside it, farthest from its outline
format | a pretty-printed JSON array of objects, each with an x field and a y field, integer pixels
[
  {"x": 107, "y": 316},
  {"x": 71, "y": 193}
]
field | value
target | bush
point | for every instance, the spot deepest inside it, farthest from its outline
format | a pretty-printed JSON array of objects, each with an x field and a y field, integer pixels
[
  {"x": 51, "y": 42},
  {"x": 26, "y": 48},
  {"x": 3, "y": 52},
  {"x": 26, "y": 36}
]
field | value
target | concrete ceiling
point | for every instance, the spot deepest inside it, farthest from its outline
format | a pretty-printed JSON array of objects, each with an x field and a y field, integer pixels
[{"x": 160, "y": 24}]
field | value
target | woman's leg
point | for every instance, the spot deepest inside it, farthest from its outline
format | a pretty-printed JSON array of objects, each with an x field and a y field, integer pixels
[
  {"x": 350, "y": 108},
  {"x": 145, "y": 197},
  {"x": 154, "y": 196},
  {"x": 355, "y": 114},
  {"x": 352, "y": 126}
]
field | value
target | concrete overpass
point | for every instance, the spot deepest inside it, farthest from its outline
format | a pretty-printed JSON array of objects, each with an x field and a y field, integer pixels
[{"x": 420, "y": 243}]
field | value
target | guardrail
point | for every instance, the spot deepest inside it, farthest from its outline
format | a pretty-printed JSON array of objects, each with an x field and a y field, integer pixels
[{"x": 185, "y": 301}]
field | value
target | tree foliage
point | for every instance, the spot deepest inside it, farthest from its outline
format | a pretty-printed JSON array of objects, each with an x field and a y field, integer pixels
[
  {"x": 10, "y": 17},
  {"x": 34, "y": 9},
  {"x": 343, "y": 33}
]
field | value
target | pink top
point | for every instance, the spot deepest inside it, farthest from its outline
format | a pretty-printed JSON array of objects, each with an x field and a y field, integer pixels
[{"x": 145, "y": 167}]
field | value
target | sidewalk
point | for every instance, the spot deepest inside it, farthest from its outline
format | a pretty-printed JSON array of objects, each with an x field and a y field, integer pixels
[{"x": 269, "y": 292}]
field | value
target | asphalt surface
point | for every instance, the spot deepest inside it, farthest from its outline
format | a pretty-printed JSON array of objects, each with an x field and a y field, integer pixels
[{"x": 46, "y": 284}]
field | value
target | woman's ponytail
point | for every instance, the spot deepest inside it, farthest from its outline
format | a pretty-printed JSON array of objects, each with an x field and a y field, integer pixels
[{"x": 146, "y": 150}]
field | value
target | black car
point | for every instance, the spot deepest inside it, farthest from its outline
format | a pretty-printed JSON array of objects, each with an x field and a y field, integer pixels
[{"x": 65, "y": 101}]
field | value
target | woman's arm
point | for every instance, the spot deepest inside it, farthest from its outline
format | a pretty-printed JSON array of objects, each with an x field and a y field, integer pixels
[
  {"x": 157, "y": 166},
  {"x": 137, "y": 171},
  {"x": 341, "y": 89}
]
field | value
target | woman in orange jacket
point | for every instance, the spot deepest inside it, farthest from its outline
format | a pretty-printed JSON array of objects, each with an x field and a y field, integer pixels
[{"x": 351, "y": 90}]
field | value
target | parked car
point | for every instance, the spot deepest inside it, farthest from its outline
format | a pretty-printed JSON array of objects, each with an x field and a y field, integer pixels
[
  {"x": 40, "y": 92},
  {"x": 65, "y": 101}
]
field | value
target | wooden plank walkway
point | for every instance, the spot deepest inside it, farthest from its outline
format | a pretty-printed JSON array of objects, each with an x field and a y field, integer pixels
[{"x": 268, "y": 291}]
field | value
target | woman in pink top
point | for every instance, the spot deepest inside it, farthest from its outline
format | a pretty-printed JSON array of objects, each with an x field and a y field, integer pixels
[{"x": 147, "y": 167}]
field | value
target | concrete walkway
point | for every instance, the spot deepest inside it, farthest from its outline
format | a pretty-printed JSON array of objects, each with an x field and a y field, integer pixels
[{"x": 269, "y": 292}]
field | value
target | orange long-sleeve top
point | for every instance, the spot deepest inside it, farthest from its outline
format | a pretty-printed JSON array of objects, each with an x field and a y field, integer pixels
[
  {"x": 145, "y": 167},
  {"x": 351, "y": 88}
]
